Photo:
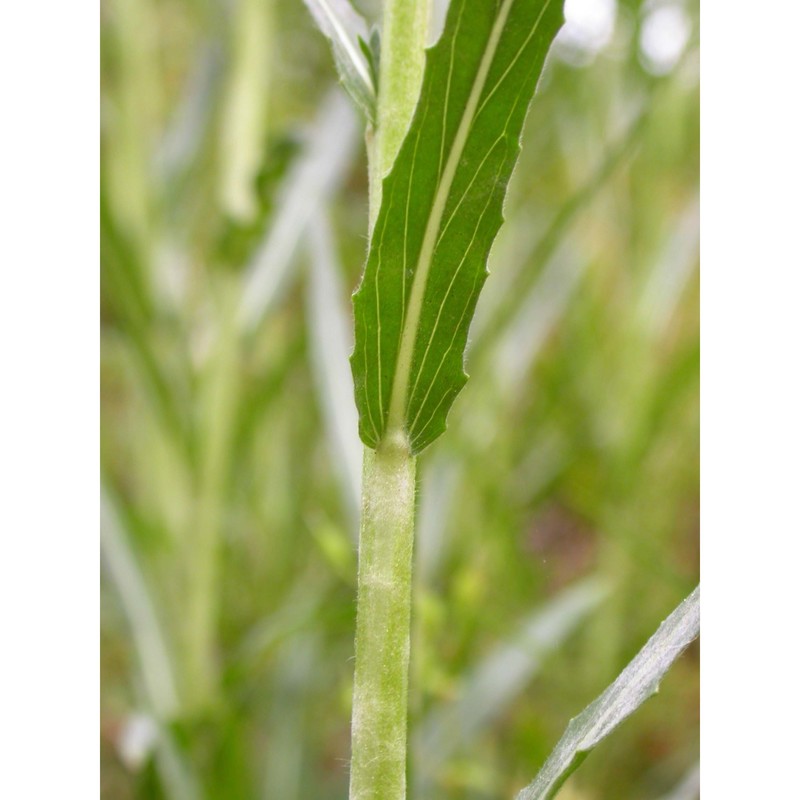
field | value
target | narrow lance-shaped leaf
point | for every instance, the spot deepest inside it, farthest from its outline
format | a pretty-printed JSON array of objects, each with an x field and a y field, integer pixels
[
  {"x": 441, "y": 208},
  {"x": 638, "y": 681}
]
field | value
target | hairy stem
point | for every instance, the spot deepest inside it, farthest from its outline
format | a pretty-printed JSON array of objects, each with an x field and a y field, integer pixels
[
  {"x": 380, "y": 696},
  {"x": 383, "y": 625},
  {"x": 403, "y": 37}
]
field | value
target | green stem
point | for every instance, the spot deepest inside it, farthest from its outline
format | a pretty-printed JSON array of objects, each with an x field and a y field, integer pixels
[
  {"x": 383, "y": 624},
  {"x": 403, "y": 37},
  {"x": 380, "y": 695}
]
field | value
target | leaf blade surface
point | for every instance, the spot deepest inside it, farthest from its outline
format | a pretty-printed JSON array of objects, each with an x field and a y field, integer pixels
[
  {"x": 635, "y": 684},
  {"x": 441, "y": 209}
]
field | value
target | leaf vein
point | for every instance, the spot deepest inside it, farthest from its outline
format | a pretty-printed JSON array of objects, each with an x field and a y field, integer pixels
[
  {"x": 457, "y": 270},
  {"x": 520, "y": 51},
  {"x": 398, "y": 398},
  {"x": 457, "y": 328}
]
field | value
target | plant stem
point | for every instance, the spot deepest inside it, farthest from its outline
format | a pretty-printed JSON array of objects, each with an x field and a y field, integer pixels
[
  {"x": 380, "y": 695},
  {"x": 403, "y": 37},
  {"x": 386, "y": 540}
]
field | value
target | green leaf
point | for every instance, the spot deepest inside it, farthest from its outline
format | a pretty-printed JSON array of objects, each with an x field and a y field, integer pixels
[
  {"x": 372, "y": 52},
  {"x": 316, "y": 175},
  {"x": 330, "y": 340},
  {"x": 147, "y": 634},
  {"x": 345, "y": 29},
  {"x": 440, "y": 211},
  {"x": 638, "y": 681}
]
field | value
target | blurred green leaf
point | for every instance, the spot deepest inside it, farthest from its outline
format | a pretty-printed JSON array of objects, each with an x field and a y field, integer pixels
[
  {"x": 318, "y": 171},
  {"x": 153, "y": 654},
  {"x": 489, "y": 327},
  {"x": 688, "y": 788},
  {"x": 244, "y": 118},
  {"x": 502, "y": 675},
  {"x": 237, "y": 240},
  {"x": 330, "y": 329}
]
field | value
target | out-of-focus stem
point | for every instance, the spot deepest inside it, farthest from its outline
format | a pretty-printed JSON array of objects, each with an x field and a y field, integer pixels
[
  {"x": 244, "y": 121},
  {"x": 217, "y": 409}
]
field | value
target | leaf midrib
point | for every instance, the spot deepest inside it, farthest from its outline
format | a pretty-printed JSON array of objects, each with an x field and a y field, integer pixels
[{"x": 398, "y": 399}]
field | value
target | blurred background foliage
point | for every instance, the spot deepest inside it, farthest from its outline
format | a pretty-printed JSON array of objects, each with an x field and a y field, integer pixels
[{"x": 558, "y": 521}]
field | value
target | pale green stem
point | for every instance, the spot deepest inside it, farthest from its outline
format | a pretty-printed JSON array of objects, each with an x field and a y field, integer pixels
[
  {"x": 403, "y": 37},
  {"x": 380, "y": 695},
  {"x": 383, "y": 625}
]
